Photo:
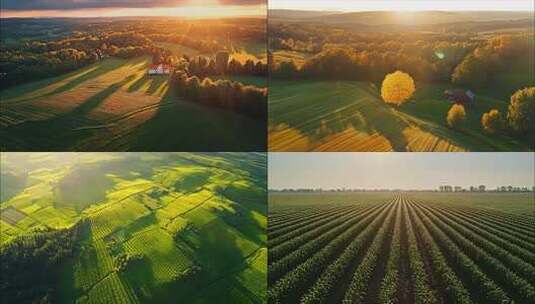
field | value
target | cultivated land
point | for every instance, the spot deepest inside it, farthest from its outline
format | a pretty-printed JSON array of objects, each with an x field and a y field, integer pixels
[
  {"x": 323, "y": 109},
  {"x": 193, "y": 224},
  {"x": 113, "y": 105},
  {"x": 414, "y": 247},
  {"x": 82, "y": 85},
  {"x": 351, "y": 116}
]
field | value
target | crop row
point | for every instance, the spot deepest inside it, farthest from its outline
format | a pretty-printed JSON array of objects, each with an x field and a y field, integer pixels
[
  {"x": 303, "y": 236},
  {"x": 509, "y": 254},
  {"x": 481, "y": 260},
  {"x": 339, "y": 234},
  {"x": 296, "y": 231},
  {"x": 402, "y": 251},
  {"x": 326, "y": 283},
  {"x": 291, "y": 226},
  {"x": 296, "y": 282}
]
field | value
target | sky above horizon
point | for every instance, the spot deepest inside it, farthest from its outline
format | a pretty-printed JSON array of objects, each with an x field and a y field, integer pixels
[
  {"x": 379, "y": 5},
  {"x": 122, "y": 8},
  {"x": 399, "y": 170}
]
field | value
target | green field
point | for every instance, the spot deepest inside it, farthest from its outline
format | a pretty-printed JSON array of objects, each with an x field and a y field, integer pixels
[
  {"x": 351, "y": 116},
  {"x": 401, "y": 247},
  {"x": 113, "y": 105},
  {"x": 196, "y": 222}
]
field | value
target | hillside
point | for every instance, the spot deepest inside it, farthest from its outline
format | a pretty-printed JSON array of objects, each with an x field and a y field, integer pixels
[{"x": 419, "y": 20}]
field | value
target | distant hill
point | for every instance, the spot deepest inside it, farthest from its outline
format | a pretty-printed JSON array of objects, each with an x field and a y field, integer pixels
[
  {"x": 282, "y": 15},
  {"x": 387, "y": 20}
]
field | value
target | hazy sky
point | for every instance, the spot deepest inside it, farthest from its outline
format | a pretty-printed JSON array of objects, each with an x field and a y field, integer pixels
[
  {"x": 107, "y": 8},
  {"x": 374, "y": 5},
  {"x": 399, "y": 170}
]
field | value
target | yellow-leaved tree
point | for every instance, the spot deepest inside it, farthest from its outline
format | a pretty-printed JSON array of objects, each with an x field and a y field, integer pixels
[
  {"x": 456, "y": 116},
  {"x": 397, "y": 87}
]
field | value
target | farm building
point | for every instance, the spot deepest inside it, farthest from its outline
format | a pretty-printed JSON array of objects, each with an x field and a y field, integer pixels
[
  {"x": 159, "y": 69},
  {"x": 460, "y": 96}
]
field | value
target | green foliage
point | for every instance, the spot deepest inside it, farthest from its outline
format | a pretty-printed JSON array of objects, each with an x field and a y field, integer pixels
[
  {"x": 521, "y": 113},
  {"x": 456, "y": 116},
  {"x": 421, "y": 247},
  {"x": 492, "y": 121}
]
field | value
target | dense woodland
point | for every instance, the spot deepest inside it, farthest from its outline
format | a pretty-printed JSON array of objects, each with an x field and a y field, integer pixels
[
  {"x": 30, "y": 264},
  {"x": 429, "y": 57}
]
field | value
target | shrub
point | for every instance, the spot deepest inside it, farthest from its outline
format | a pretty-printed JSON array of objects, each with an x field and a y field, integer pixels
[
  {"x": 521, "y": 112},
  {"x": 456, "y": 115},
  {"x": 492, "y": 121},
  {"x": 397, "y": 88}
]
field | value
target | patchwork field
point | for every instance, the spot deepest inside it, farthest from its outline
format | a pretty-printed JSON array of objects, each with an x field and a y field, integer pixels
[
  {"x": 392, "y": 247},
  {"x": 164, "y": 227},
  {"x": 351, "y": 116},
  {"x": 113, "y": 105}
]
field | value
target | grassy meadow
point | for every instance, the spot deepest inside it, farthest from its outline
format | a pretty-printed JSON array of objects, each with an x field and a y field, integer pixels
[
  {"x": 351, "y": 116},
  {"x": 153, "y": 227}
]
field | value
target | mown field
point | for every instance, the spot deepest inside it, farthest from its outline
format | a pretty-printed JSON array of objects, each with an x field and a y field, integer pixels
[
  {"x": 193, "y": 225},
  {"x": 351, "y": 116},
  {"x": 113, "y": 105},
  {"x": 415, "y": 247}
]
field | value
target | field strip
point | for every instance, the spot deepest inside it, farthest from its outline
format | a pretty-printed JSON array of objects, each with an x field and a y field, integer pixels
[
  {"x": 462, "y": 236},
  {"x": 481, "y": 285},
  {"x": 504, "y": 233},
  {"x": 422, "y": 286},
  {"x": 279, "y": 268},
  {"x": 304, "y": 219},
  {"x": 293, "y": 283},
  {"x": 309, "y": 234},
  {"x": 515, "y": 286},
  {"x": 360, "y": 263},
  {"x": 450, "y": 286},
  {"x": 297, "y": 216},
  {"x": 497, "y": 237}
]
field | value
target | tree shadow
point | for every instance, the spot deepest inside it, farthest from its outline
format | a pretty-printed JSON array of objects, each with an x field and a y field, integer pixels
[
  {"x": 60, "y": 132},
  {"x": 187, "y": 126},
  {"x": 156, "y": 84},
  {"x": 83, "y": 77},
  {"x": 347, "y": 106},
  {"x": 136, "y": 85}
]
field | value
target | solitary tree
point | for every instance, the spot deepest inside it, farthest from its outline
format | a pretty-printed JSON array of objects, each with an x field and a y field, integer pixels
[
  {"x": 456, "y": 115},
  {"x": 521, "y": 113},
  {"x": 397, "y": 88},
  {"x": 492, "y": 121}
]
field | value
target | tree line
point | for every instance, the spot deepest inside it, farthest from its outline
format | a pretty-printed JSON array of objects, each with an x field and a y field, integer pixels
[
  {"x": 426, "y": 58},
  {"x": 192, "y": 80},
  {"x": 40, "y": 59}
]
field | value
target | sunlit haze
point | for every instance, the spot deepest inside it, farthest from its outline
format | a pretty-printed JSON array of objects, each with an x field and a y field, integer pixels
[
  {"x": 381, "y": 5},
  {"x": 184, "y": 9},
  {"x": 399, "y": 170}
]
